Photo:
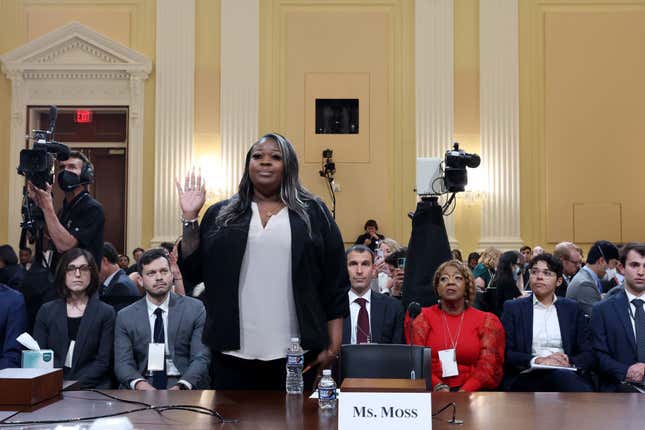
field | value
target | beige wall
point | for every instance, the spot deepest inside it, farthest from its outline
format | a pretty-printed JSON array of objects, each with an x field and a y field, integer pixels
[
  {"x": 346, "y": 49},
  {"x": 582, "y": 110},
  {"x": 581, "y": 92}
]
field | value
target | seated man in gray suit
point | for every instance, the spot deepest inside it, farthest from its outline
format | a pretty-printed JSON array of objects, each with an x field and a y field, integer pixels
[
  {"x": 374, "y": 317},
  {"x": 585, "y": 287},
  {"x": 158, "y": 339}
]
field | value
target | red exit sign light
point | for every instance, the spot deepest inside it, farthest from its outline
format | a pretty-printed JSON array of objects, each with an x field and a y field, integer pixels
[{"x": 83, "y": 116}]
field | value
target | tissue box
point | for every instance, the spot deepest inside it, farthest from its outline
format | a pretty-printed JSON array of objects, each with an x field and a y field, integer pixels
[{"x": 41, "y": 359}]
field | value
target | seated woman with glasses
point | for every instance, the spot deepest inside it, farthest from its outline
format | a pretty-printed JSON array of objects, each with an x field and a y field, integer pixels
[
  {"x": 79, "y": 328},
  {"x": 467, "y": 344},
  {"x": 546, "y": 335}
]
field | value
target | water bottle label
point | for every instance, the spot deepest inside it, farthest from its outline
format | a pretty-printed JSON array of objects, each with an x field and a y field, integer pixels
[
  {"x": 327, "y": 393},
  {"x": 295, "y": 360}
]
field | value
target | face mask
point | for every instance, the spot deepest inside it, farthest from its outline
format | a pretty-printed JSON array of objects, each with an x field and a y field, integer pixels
[
  {"x": 516, "y": 273},
  {"x": 610, "y": 274},
  {"x": 67, "y": 180}
]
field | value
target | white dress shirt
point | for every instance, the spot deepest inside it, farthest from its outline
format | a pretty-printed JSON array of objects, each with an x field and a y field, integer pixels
[
  {"x": 109, "y": 279},
  {"x": 631, "y": 297},
  {"x": 171, "y": 369},
  {"x": 547, "y": 338},
  {"x": 353, "y": 312},
  {"x": 267, "y": 315}
]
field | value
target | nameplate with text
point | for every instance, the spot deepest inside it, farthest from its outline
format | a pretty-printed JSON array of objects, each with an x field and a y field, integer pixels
[{"x": 373, "y": 411}]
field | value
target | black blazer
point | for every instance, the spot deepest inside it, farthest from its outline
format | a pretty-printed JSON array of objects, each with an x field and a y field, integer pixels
[
  {"x": 92, "y": 360},
  {"x": 517, "y": 320},
  {"x": 318, "y": 272},
  {"x": 386, "y": 320},
  {"x": 120, "y": 292}
]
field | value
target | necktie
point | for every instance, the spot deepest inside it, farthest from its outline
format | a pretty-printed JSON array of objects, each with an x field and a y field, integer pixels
[
  {"x": 639, "y": 320},
  {"x": 363, "y": 323},
  {"x": 159, "y": 377}
]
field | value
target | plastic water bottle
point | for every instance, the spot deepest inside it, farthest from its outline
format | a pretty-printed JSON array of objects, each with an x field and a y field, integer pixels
[
  {"x": 295, "y": 363},
  {"x": 327, "y": 391}
]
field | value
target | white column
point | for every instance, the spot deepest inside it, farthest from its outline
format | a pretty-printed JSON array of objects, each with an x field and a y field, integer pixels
[
  {"x": 240, "y": 86},
  {"x": 174, "y": 110},
  {"x": 16, "y": 143},
  {"x": 135, "y": 160},
  {"x": 434, "y": 83},
  {"x": 499, "y": 110}
]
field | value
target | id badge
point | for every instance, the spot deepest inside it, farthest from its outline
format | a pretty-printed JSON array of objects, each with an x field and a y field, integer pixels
[
  {"x": 156, "y": 356},
  {"x": 448, "y": 359}
]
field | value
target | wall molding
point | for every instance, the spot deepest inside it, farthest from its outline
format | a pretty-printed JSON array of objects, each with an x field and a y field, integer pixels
[{"x": 74, "y": 65}]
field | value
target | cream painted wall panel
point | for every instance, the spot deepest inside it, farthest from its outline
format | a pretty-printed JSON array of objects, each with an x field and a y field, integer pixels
[
  {"x": 113, "y": 21},
  {"x": 594, "y": 119},
  {"x": 352, "y": 41}
]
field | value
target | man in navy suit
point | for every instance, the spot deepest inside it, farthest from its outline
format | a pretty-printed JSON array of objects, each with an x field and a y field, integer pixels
[
  {"x": 374, "y": 317},
  {"x": 618, "y": 326},
  {"x": 13, "y": 322},
  {"x": 117, "y": 289},
  {"x": 544, "y": 329}
]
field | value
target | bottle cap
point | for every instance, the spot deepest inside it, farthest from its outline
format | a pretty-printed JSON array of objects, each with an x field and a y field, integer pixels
[
  {"x": 295, "y": 339},
  {"x": 327, "y": 372}
]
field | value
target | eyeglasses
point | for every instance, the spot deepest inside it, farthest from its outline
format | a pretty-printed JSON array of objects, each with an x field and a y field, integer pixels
[
  {"x": 545, "y": 273},
  {"x": 71, "y": 269}
]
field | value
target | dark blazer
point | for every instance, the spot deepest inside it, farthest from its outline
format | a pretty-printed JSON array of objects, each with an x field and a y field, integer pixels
[
  {"x": 386, "y": 320},
  {"x": 13, "y": 322},
  {"x": 12, "y": 276},
  {"x": 120, "y": 285},
  {"x": 614, "y": 343},
  {"x": 120, "y": 292},
  {"x": 318, "y": 272},
  {"x": 92, "y": 360},
  {"x": 517, "y": 320},
  {"x": 186, "y": 317}
]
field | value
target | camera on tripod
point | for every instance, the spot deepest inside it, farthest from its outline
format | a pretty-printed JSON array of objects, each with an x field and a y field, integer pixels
[
  {"x": 436, "y": 177},
  {"x": 37, "y": 163},
  {"x": 37, "y": 166}
]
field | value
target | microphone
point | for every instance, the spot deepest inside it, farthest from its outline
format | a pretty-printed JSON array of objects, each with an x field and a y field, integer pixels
[{"x": 414, "y": 309}]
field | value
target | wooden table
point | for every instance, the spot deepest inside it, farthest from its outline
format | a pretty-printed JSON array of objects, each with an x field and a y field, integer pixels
[{"x": 275, "y": 410}]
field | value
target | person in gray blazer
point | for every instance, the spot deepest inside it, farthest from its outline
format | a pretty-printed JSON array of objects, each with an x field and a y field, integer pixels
[
  {"x": 161, "y": 317},
  {"x": 585, "y": 287},
  {"x": 79, "y": 328}
]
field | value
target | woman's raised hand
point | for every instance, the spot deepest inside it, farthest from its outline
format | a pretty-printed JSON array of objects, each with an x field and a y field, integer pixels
[{"x": 192, "y": 195}]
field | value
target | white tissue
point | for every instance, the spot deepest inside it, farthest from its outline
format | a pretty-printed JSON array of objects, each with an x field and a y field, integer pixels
[{"x": 28, "y": 342}]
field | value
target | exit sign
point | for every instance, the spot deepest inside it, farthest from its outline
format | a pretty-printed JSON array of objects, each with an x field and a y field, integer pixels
[{"x": 83, "y": 116}]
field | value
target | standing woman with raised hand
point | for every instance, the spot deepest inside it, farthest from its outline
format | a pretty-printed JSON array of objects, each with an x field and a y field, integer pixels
[{"x": 273, "y": 264}]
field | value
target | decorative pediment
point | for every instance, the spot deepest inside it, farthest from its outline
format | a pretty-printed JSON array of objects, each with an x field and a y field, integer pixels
[{"x": 74, "y": 47}]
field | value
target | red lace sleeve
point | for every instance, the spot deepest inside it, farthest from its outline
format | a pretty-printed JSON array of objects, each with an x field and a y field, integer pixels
[
  {"x": 488, "y": 371},
  {"x": 420, "y": 329}
]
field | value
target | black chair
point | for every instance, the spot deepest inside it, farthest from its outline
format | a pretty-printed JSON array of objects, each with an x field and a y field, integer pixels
[{"x": 373, "y": 360}]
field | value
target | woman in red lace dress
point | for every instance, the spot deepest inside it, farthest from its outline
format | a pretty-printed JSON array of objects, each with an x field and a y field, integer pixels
[{"x": 467, "y": 344}]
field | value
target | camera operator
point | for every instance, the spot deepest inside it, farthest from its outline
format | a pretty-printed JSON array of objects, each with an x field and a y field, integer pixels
[{"x": 81, "y": 220}]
